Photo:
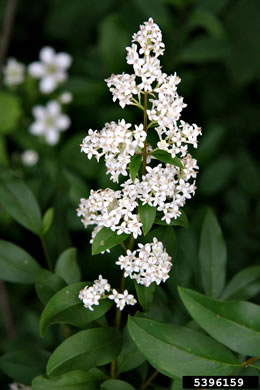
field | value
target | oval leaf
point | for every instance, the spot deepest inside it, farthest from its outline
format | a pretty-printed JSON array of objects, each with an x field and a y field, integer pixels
[
  {"x": 84, "y": 350},
  {"x": 212, "y": 256},
  {"x": 130, "y": 357},
  {"x": 145, "y": 295},
  {"x": 16, "y": 265},
  {"x": 233, "y": 323},
  {"x": 19, "y": 201},
  {"x": 244, "y": 285},
  {"x": 67, "y": 267},
  {"x": 116, "y": 384},
  {"x": 23, "y": 366},
  {"x": 75, "y": 380},
  {"x": 47, "y": 220},
  {"x": 106, "y": 239},
  {"x": 166, "y": 157},
  {"x": 147, "y": 216},
  {"x": 66, "y": 307},
  {"x": 10, "y": 112},
  {"x": 176, "y": 351},
  {"x": 134, "y": 166},
  {"x": 47, "y": 284}
]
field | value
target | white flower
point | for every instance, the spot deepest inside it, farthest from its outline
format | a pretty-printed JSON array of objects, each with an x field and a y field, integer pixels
[
  {"x": 117, "y": 142},
  {"x": 66, "y": 97},
  {"x": 150, "y": 263},
  {"x": 29, "y": 157},
  {"x": 123, "y": 87},
  {"x": 49, "y": 122},
  {"x": 18, "y": 386},
  {"x": 122, "y": 299},
  {"x": 13, "y": 72},
  {"x": 111, "y": 209},
  {"x": 51, "y": 70},
  {"x": 101, "y": 285}
]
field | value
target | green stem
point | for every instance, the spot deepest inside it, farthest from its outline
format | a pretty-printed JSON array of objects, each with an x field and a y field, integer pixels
[
  {"x": 246, "y": 363},
  {"x": 145, "y": 129},
  {"x": 46, "y": 252},
  {"x": 118, "y": 316},
  {"x": 149, "y": 380}
]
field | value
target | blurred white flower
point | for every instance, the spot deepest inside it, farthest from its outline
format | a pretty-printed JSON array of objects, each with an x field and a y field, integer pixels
[
  {"x": 13, "y": 72},
  {"x": 49, "y": 122},
  {"x": 51, "y": 70},
  {"x": 66, "y": 97},
  {"x": 29, "y": 157},
  {"x": 18, "y": 386}
]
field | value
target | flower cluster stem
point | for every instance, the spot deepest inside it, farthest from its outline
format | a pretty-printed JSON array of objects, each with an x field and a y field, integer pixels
[
  {"x": 46, "y": 252},
  {"x": 149, "y": 380},
  {"x": 145, "y": 129}
]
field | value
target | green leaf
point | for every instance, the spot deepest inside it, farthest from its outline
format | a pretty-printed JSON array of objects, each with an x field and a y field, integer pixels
[
  {"x": 66, "y": 307},
  {"x": 113, "y": 39},
  {"x": 106, "y": 239},
  {"x": 67, "y": 267},
  {"x": 212, "y": 256},
  {"x": 145, "y": 295},
  {"x": 182, "y": 220},
  {"x": 233, "y": 323},
  {"x": 16, "y": 265},
  {"x": 176, "y": 351},
  {"x": 147, "y": 216},
  {"x": 47, "y": 220},
  {"x": 134, "y": 166},
  {"x": 130, "y": 357},
  {"x": 208, "y": 21},
  {"x": 75, "y": 380},
  {"x": 23, "y": 366},
  {"x": 203, "y": 48},
  {"x": 19, "y": 201},
  {"x": 47, "y": 284},
  {"x": 10, "y": 112},
  {"x": 116, "y": 384},
  {"x": 84, "y": 350},
  {"x": 244, "y": 285},
  {"x": 166, "y": 157},
  {"x": 221, "y": 169}
]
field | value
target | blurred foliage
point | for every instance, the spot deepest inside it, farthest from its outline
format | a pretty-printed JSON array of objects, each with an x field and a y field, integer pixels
[{"x": 214, "y": 47}]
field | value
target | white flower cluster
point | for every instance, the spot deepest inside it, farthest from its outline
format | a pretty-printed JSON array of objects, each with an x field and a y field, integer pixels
[
  {"x": 51, "y": 70},
  {"x": 18, "y": 386},
  {"x": 13, "y": 72},
  {"x": 163, "y": 186},
  {"x": 122, "y": 299},
  {"x": 49, "y": 122},
  {"x": 117, "y": 143},
  {"x": 92, "y": 295},
  {"x": 111, "y": 209},
  {"x": 150, "y": 263}
]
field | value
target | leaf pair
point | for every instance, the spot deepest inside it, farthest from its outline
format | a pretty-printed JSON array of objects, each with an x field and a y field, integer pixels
[{"x": 176, "y": 351}]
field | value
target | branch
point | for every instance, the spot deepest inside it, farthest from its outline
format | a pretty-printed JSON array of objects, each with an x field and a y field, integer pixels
[
  {"x": 7, "y": 313},
  {"x": 6, "y": 31}
]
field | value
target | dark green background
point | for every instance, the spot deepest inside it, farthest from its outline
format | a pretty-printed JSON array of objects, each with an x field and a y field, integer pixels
[{"x": 213, "y": 45}]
